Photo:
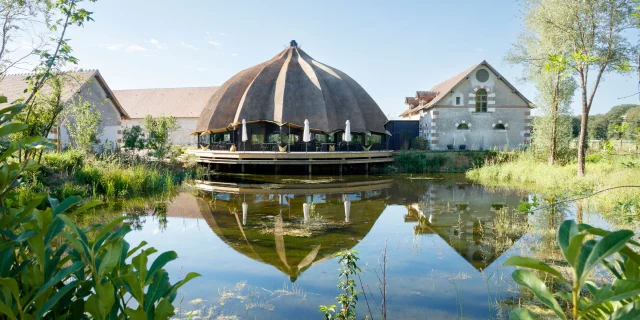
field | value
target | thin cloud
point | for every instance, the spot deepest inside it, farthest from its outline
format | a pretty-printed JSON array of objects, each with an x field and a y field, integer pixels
[
  {"x": 112, "y": 47},
  {"x": 135, "y": 48},
  {"x": 158, "y": 44},
  {"x": 215, "y": 43},
  {"x": 234, "y": 54},
  {"x": 186, "y": 45}
]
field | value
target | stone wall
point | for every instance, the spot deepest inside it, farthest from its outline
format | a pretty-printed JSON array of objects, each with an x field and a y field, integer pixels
[
  {"x": 454, "y": 121},
  {"x": 182, "y": 136},
  {"x": 109, "y": 129}
]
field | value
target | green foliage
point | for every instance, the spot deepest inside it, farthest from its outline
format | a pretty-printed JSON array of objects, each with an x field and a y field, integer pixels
[
  {"x": 158, "y": 130},
  {"x": 420, "y": 143},
  {"x": 133, "y": 138},
  {"x": 84, "y": 125},
  {"x": 66, "y": 161},
  {"x": 585, "y": 248},
  {"x": 524, "y": 171},
  {"x": 348, "y": 299},
  {"x": 52, "y": 269}
]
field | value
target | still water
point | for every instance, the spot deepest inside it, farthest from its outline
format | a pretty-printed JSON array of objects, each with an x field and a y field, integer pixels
[{"x": 262, "y": 257}]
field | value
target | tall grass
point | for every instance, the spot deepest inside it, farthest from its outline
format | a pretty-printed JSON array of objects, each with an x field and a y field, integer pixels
[
  {"x": 523, "y": 171},
  {"x": 115, "y": 176},
  {"x": 438, "y": 161}
]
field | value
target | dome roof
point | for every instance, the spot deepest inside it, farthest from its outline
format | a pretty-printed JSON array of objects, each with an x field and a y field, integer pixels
[{"x": 290, "y": 88}]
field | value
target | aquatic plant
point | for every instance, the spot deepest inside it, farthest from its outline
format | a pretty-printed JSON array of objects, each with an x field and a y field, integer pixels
[
  {"x": 349, "y": 298},
  {"x": 527, "y": 173},
  {"x": 584, "y": 248}
]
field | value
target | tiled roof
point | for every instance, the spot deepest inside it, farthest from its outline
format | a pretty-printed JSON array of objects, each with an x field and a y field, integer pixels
[
  {"x": 13, "y": 87},
  {"x": 448, "y": 85},
  {"x": 177, "y": 102},
  {"x": 441, "y": 89}
]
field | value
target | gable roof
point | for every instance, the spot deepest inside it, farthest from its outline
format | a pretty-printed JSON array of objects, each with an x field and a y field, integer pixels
[
  {"x": 177, "y": 102},
  {"x": 13, "y": 87},
  {"x": 443, "y": 88}
]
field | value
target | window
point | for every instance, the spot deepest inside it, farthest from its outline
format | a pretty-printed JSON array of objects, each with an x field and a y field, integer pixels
[
  {"x": 372, "y": 139},
  {"x": 274, "y": 138},
  {"x": 481, "y": 100},
  {"x": 320, "y": 137},
  {"x": 257, "y": 138},
  {"x": 482, "y": 75},
  {"x": 227, "y": 137},
  {"x": 500, "y": 126},
  {"x": 457, "y": 101},
  {"x": 463, "y": 126}
]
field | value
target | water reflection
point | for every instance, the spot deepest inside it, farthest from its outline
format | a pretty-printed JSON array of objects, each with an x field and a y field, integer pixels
[
  {"x": 262, "y": 233},
  {"x": 293, "y": 228}
]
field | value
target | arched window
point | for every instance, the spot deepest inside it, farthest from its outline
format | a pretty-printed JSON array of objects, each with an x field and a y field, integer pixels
[
  {"x": 500, "y": 126},
  {"x": 463, "y": 126},
  {"x": 481, "y": 100}
]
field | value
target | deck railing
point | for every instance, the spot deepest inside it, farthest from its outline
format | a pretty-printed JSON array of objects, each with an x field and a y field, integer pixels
[{"x": 296, "y": 147}]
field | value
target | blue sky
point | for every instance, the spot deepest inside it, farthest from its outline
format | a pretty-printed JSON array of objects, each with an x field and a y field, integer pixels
[{"x": 392, "y": 48}]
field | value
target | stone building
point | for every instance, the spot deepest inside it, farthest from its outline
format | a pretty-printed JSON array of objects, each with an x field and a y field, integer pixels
[
  {"x": 185, "y": 104},
  {"x": 86, "y": 86},
  {"x": 477, "y": 109}
]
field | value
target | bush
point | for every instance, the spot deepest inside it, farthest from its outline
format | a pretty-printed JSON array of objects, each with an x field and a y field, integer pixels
[
  {"x": 52, "y": 269},
  {"x": 583, "y": 253},
  {"x": 65, "y": 161}
]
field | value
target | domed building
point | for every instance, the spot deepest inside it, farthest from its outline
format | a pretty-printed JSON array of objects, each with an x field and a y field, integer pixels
[{"x": 276, "y": 97}]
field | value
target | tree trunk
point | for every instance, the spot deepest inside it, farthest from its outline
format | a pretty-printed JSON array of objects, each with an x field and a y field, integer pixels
[
  {"x": 553, "y": 146},
  {"x": 582, "y": 142}
]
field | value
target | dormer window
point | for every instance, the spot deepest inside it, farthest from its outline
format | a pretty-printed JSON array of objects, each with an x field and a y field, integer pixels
[
  {"x": 481, "y": 100},
  {"x": 458, "y": 102}
]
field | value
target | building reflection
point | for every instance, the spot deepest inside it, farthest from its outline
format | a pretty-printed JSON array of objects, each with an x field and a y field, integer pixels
[
  {"x": 293, "y": 227},
  {"x": 474, "y": 221}
]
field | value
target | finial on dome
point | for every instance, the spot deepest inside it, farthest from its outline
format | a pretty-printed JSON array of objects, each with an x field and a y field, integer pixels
[{"x": 293, "y": 43}]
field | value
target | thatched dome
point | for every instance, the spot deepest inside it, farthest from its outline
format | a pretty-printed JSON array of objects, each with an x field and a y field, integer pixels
[{"x": 290, "y": 88}]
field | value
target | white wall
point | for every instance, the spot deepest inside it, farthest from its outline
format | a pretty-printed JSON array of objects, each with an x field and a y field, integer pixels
[
  {"x": 109, "y": 129},
  {"x": 182, "y": 136}
]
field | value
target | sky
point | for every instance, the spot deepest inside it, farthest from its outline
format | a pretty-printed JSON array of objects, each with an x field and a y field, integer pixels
[{"x": 392, "y": 48}]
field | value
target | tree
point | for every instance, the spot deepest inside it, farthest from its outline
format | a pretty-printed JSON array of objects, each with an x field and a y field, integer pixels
[
  {"x": 17, "y": 19},
  {"x": 133, "y": 138},
  {"x": 158, "y": 130},
  {"x": 593, "y": 32},
  {"x": 545, "y": 63},
  {"x": 83, "y": 122}
]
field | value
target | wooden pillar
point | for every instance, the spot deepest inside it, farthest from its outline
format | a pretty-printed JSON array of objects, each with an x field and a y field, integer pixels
[
  {"x": 242, "y": 168},
  {"x": 310, "y": 168},
  {"x": 340, "y": 169}
]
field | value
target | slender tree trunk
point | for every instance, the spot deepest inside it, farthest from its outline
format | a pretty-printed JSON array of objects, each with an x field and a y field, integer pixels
[
  {"x": 582, "y": 142},
  {"x": 553, "y": 146},
  {"x": 582, "y": 139}
]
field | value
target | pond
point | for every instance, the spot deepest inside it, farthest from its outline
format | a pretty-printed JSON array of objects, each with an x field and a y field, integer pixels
[{"x": 262, "y": 257}]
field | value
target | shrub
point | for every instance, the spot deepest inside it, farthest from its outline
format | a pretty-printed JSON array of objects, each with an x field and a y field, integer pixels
[
  {"x": 618, "y": 300},
  {"x": 64, "y": 161},
  {"x": 52, "y": 269}
]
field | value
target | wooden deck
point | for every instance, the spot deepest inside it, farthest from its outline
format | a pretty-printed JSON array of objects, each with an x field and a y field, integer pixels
[
  {"x": 292, "y": 158},
  {"x": 340, "y": 187}
]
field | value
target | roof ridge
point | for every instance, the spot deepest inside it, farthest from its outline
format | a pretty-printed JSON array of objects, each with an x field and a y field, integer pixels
[
  {"x": 32, "y": 73},
  {"x": 168, "y": 88}
]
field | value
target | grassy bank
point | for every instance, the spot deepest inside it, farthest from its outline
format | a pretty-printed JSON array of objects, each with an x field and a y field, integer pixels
[
  {"x": 119, "y": 175},
  {"x": 438, "y": 161},
  {"x": 520, "y": 170}
]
